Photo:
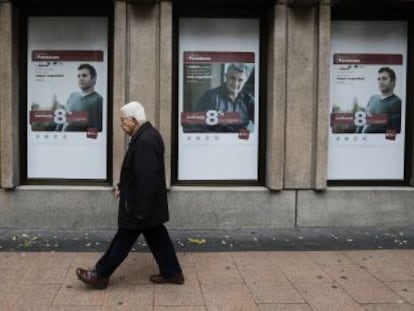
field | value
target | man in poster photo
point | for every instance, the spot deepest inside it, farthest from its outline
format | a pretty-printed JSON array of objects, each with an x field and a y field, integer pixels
[
  {"x": 230, "y": 97},
  {"x": 87, "y": 100},
  {"x": 386, "y": 103}
]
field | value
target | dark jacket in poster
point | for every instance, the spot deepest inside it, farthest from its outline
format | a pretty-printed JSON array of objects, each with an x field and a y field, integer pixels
[{"x": 143, "y": 195}]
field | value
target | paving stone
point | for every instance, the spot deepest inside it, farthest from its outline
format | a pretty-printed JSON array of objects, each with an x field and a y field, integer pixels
[
  {"x": 284, "y": 307},
  {"x": 327, "y": 297},
  {"x": 180, "y": 308},
  {"x": 229, "y": 297},
  {"x": 30, "y": 297},
  {"x": 403, "y": 288},
  {"x": 388, "y": 307},
  {"x": 78, "y": 294},
  {"x": 370, "y": 280},
  {"x": 129, "y": 297},
  {"x": 188, "y": 294},
  {"x": 331, "y": 258},
  {"x": 362, "y": 285}
]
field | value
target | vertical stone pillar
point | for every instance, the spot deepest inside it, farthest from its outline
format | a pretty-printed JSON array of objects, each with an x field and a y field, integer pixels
[
  {"x": 165, "y": 82},
  {"x": 119, "y": 85},
  {"x": 322, "y": 124},
  {"x": 276, "y": 99},
  {"x": 143, "y": 57},
  {"x": 9, "y": 98},
  {"x": 302, "y": 79}
]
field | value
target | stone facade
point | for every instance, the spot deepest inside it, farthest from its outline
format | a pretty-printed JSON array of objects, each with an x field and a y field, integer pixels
[{"x": 295, "y": 192}]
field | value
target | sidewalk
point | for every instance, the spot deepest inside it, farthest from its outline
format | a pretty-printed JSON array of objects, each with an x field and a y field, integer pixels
[{"x": 374, "y": 280}]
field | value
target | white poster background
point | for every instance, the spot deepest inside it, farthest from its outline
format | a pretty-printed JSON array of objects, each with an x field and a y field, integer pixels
[
  {"x": 366, "y": 156},
  {"x": 218, "y": 156},
  {"x": 56, "y": 154}
]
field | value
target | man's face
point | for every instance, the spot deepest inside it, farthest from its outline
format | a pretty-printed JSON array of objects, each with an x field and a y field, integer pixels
[
  {"x": 85, "y": 80},
  {"x": 128, "y": 124},
  {"x": 385, "y": 84},
  {"x": 235, "y": 81}
]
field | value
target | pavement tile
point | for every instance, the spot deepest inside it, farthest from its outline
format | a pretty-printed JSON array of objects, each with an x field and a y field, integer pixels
[
  {"x": 217, "y": 268},
  {"x": 293, "y": 259},
  {"x": 388, "y": 307},
  {"x": 387, "y": 265},
  {"x": 362, "y": 285},
  {"x": 30, "y": 297},
  {"x": 180, "y": 308},
  {"x": 242, "y": 259},
  {"x": 268, "y": 284},
  {"x": 267, "y": 275},
  {"x": 128, "y": 297},
  {"x": 331, "y": 258},
  {"x": 219, "y": 275},
  {"x": 74, "y": 308},
  {"x": 229, "y": 297},
  {"x": 23, "y": 307},
  {"x": 284, "y": 307},
  {"x": 44, "y": 275},
  {"x": 188, "y": 294},
  {"x": 10, "y": 277},
  {"x": 305, "y": 273},
  {"x": 403, "y": 288},
  {"x": 210, "y": 260},
  {"x": 17, "y": 260},
  {"x": 371, "y": 280},
  {"x": 327, "y": 297},
  {"x": 3, "y": 295},
  {"x": 79, "y": 294},
  {"x": 275, "y": 294},
  {"x": 122, "y": 307},
  {"x": 54, "y": 260},
  {"x": 185, "y": 259}
]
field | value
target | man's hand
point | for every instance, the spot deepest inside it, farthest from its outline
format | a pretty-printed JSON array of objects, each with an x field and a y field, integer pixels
[{"x": 117, "y": 192}]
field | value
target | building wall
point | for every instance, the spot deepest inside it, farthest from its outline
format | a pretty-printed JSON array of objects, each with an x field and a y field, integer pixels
[{"x": 295, "y": 193}]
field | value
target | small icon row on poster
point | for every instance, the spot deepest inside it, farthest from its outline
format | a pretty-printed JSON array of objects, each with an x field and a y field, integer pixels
[
  {"x": 203, "y": 138},
  {"x": 51, "y": 136},
  {"x": 354, "y": 138}
]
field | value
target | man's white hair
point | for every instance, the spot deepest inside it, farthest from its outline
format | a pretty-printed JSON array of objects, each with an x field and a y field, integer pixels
[{"x": 135, "y": 110}]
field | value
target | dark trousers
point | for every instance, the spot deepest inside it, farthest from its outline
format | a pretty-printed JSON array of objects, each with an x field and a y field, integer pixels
[{"x": 158, "y": 241}]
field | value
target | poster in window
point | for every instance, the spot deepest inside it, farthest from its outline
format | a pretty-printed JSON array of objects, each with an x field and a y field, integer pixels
[
  {"x": 218, "y": 99},
  {"x": 367, "y": 100},
  {"x": 67, "y": 97}
]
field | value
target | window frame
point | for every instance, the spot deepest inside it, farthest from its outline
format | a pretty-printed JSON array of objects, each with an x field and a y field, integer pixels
[
  {"x": 216, "y": 10},
  {"x": 65, "y": 9},
  {"x": 384, "y": 11}
]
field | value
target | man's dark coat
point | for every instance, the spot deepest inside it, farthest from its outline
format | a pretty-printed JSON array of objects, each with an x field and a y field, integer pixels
[{"x": 143, "y": 195}]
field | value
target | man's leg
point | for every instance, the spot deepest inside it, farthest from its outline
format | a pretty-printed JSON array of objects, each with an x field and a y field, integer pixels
[
  {"x": 162, "y": 248},
  {"x": 118, "y": 250}
]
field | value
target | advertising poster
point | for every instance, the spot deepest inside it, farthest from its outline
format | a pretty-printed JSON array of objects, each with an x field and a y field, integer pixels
[
  {"x": 218, "y": 115},
  {"x": 367, "y": 100},
  {"x": 67, "y": 97}
]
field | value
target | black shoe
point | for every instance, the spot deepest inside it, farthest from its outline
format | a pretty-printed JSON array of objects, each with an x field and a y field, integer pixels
[
  {"x": 89, "y": 277},
  {"x": 176, "y": 279}
]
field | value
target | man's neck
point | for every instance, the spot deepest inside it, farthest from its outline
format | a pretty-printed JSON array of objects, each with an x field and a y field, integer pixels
[
  {"x": 136, "y": 130},
  {"x": 233, "y": 96},
  {"x": 87, "y": 92}
]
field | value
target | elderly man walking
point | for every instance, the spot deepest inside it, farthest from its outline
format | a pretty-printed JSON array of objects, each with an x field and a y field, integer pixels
[{"x": 143, "y": 206}]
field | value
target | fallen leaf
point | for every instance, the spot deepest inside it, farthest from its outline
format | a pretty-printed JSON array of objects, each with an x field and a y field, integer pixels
[{"x": 196, "y": 240}]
